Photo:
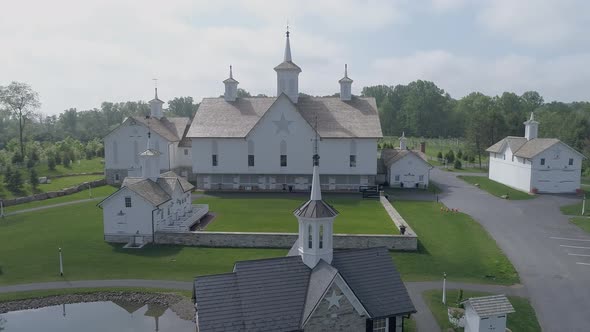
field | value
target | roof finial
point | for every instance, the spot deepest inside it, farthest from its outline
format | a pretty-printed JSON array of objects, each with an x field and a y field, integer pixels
[
  {"x": 231, "y": 75},
  {"x": 316, "y": 190},
  {"x": 287, "y": 29},
  {"x": 155, "y": 87},
  {"x": 345, "y": 70},
  {"x": 287, "y": 48},
  {"x": 532, "y": 116},
  {"x": 316, "y": 156}
]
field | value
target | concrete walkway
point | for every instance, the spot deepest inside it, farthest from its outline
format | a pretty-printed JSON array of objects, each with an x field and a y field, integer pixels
[
  {"x": 52, "y": 206},
  {"x": 424, "y": 318}
]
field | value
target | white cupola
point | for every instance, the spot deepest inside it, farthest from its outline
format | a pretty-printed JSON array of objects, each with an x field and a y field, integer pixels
[
  {"x": 531, "y": 128},
  {"x": 231, "y": 87},
  {"x": 156, "y": 106},
  {"x": 316, "y": 219},
  {"x": 402, "y": 141},
  {"x": 150, "y": 162},
  {"x": 345, "y": 86},
  {"x": 288, "y": 74}
]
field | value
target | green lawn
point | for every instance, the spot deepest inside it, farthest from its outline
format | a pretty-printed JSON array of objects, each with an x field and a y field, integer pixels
[
  {"x": 97, "y": 192},
  {"x": 55, "y": 185},
  {"x": 495, "y": 188},
  {"x": 576, "y": 209},
  {"x": 262, "y": 213},
  {"x": 82, "y": 166},
  {"x": 583, "y": 223},
  {"x": 466, "y": 170},
  {"x": 409, "y": 325},
  {"x": 29, "y": 243},
  {"x": 452, "y": 243},
  {"x": 523, "y": 319}
]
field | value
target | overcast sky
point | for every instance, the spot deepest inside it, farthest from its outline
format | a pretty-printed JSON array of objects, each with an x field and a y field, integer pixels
[{"x": 80, "y": 53}]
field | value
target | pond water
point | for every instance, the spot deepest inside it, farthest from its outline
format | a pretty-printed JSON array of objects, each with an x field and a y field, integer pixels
[{"x": 95, "y": 317}]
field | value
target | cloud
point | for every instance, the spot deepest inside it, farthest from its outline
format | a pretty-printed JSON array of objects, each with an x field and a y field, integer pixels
[
  {"x": 563, "y": 77},
  {"x": 537, "y": 22}
]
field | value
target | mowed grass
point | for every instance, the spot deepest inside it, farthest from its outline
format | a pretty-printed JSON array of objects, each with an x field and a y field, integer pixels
[
  {"x": 98, "y": 193},
  {"x": 67, "y": 182},
  {"x": 576, "y": 209},
  {"x": 29, "y": 244},
  {"x": 523, "y": 319},
  {"x": 583, "y": 223},
  {"x": 82, "y": 166},
  {"x": 495, "y": 188},
  {"x": 450, "y": 242},
  {"x": 262, "y": 213}
]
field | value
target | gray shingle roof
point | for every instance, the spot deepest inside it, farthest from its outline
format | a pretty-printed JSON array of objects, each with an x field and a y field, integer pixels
[
  {"x": 148, "y": 189},
  {"x": 521, "y": 147},
  {"x": 391, "y": 156},
  {"x": 288, "y": 65},
  {"x": 186, "y": 186},
  {"x": 315, "y": 209},
  {"x": 171, "y": 129},
  {"x": 336, "y": 118},
  {"x": 374, "y": 279},
  {"x": 490, "y": 305},
  {"x": 276, "y": 294}
]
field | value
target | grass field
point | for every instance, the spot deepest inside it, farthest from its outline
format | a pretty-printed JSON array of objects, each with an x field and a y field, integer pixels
[
  {"x": 583, "y": 223},
  {"x": 523, "y": 319},
  {"x": 452, "y": 243},
  {"x": 97, "y": 192},
  {"x": 29, "y": 243},
  {"x": 261, "y": 213},
  {"x": 81, "y": 166},
  {"x": 495, "y": 188},
  {"x": 56, "y": 184},
  {"x": 576, "y": 209}
]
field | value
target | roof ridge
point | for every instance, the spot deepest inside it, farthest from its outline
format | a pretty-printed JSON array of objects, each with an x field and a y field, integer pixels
[{"x": 266, "y": 259}]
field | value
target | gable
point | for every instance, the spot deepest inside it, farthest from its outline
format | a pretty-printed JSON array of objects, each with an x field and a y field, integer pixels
[
  {"x": 119, "y": 194},
  {"x": 133, "y": 127},
  {"x": 558, "y": 145}
]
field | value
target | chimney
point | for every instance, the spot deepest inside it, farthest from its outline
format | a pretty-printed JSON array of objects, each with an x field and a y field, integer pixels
[{"x": 231, "y": 87}]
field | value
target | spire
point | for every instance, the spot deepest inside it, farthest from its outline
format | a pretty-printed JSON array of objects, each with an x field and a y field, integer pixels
[
  {"x": 287, "y": 48},
  {"x": 316, "y": 190}
]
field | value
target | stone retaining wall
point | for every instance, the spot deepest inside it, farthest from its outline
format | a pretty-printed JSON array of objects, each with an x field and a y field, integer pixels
[
  {"x": 283, "y": 240},
  {"x": 397, "y": 219},
  {"x": 53, "y": 194}
]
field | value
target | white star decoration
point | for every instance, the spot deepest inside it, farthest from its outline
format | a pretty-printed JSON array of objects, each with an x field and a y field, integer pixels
[
  {"x": 283, "y": 124},
  {"x": 334, "y": 299}
]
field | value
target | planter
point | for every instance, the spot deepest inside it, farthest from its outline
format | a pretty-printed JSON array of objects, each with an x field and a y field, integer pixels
[{"x": 456, "y": 316}]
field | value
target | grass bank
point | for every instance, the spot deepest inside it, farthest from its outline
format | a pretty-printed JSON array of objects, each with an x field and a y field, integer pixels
[
  {"x": 495, "y": 188},
  {"x": 453, "y": 243},
  {"x": 7, "y": 297},
  {"x": 97, "y": 192},
  {"x": 523, "y": 320},
  {"x": 576, "y": 209},
  {"x": 582, "y": 222}
]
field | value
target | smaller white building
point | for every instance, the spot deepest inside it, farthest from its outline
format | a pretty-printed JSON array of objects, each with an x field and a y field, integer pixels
[
  {"x": 150, "y": 203},
  {"x": 406, "y": 168},
  {"x": 532, "y": 164},
  {"x": 487, "y": 313}
]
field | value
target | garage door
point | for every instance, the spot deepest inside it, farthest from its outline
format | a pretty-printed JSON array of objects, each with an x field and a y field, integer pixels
[{"x": 555, "y": 181}]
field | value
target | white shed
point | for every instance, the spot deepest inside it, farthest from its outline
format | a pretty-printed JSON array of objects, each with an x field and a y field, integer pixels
[
  {"x": 406, "y": 168},
  {"x": 487, "y": 313}
]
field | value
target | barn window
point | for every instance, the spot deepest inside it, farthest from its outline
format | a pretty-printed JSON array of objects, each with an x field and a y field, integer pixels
[
  {"x": 127, "y": 202},
  {"x": 186, "y": 152},
  {"x": 542, "y": 161},
  {"x": 352, "y": 160},
  {"x": 421, "y": 178},
  {"x": 397, "y": 178},
  {"x": 309, "y": 237},
  {"x": 571, "y": 162},
  {"x": 250, "y": 160},
  {"x": 115, "y": 152},
  {"x": 117, "y": 177},
  {"x": 321, "y": 236},
  {"x": 283, "y": 160},
  {"x": 380, "y": 325},
  {"x": 213, "y": 160}
]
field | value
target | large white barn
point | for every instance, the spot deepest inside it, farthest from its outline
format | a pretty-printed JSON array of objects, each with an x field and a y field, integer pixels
[
  {"x": 260, "y": 143},
  {"x": 532, "y": 164}
]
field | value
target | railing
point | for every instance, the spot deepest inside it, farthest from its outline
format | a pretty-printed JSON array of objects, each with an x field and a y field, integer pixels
[{"x": 184, "y": 223}]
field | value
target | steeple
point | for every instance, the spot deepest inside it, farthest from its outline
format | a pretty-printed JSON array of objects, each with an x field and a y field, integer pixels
[
  {"x": 231, "y": 87},
  {"x": 402, "y": 141},
  {"x": 156, "y": 105},
  {"x": 288, "y": 74},
  {"x": 149, "y": 160},
  {"x": 345, "y": 85},
  {"x": 531, "y": 128}
]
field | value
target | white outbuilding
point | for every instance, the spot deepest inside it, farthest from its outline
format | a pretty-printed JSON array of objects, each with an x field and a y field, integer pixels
[
  {"x": 406, "y": 168},
  {"x": 487, "y": 313},
  {"x": 149, "y": 203},
  {"x": 532, "y": 164}
]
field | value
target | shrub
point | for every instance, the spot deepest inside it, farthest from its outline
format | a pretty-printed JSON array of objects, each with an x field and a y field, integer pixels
[
  {"x": 51, "y": 163},
  {"x": 460, "y": 154},
  {"x": 30, "y": 163},
  {"x": 471, "y": 159},
  {"x": 458, "y": 164},
  {"x": 66, "y": 162},
  {"x": 33, "y": 178},
  {"x": 17, "y": 158},
  {"x": 15, "y": 182},
  {"x": 439, "y": 155},
  {"x": 450, "y": 156}
]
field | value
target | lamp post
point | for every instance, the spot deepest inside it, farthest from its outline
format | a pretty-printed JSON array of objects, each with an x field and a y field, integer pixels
[
  {"x": 444, "y": 295},
  {"x": 61, "y": 264},
  {"x": 584, "y": 205},
  {"x": 2, "y": 209}
]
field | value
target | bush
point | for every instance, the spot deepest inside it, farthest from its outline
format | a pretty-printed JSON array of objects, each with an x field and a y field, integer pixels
[
  {"x": 15, "y": 182},
  {"x": 471, "y": 159},
  {"x": 30, "y": 163},
  {"x": 457, "y": 164},
  {"x": 66, "y": 162},
  {"x": 51, "y": 163},
  {"x": 465, "y": 156},
  {"x": 460, "y": 154},
  {"x": 450, "y": 156},
  {"x": 439, "y": 155},
  {"x": 17, "y": 158},
  {"x": 33, "y": 178}
]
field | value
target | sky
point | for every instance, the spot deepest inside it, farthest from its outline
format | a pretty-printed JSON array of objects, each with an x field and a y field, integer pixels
[{"x": 77, "y": 54}]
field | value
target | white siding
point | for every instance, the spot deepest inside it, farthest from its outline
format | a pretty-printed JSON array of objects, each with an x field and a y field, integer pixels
[
  {"x": 409, "y": 169},
  {"x": 121, "y": 220},
  {"x": 557, "y": 176},
  {"x": 514, "y": 174}
]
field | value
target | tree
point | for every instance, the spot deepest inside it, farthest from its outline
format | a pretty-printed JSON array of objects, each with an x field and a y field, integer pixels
[
  {"x": 21, "y": 101},
  {"x": 457, "y": 164},
  {"x": 450, "y": 156},
  {"x": 243, "y": 93},
  {"x": 33, "y": 179},
  {"x": 183, "y": 107},
  {"x": 15, "y": 182},
  {"x": 51, "y": 162}
]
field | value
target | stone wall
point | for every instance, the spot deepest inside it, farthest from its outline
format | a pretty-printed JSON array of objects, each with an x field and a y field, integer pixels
[
  {"x": 53, "y": 194},
  {"x": 283, "y": 240}
]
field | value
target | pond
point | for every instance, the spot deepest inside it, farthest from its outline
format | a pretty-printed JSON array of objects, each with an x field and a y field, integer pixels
[{"x": 96, "y": 316}]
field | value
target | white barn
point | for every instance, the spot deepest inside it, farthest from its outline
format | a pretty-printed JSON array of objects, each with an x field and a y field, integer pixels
[
  {"x": 531, "y": 164},
  {"x": 487, "y": 313},
  {"x": 123, "y": 144},
  {"x": 265, "y": 143},
  {"x": 149, "y": 203},
  {"x": 406, "y": 168}
]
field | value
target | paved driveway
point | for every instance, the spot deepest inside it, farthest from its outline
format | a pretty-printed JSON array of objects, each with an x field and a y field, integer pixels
[{"x": 551, "y": 255}]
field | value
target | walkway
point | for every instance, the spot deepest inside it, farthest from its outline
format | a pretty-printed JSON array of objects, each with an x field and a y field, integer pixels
[
  {"x": 424, "y": 318},
  {"x": 551, "y": 255},
  {"x": 52, "y": 206}
]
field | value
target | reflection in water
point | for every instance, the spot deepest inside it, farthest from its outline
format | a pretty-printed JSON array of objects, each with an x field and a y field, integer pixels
[{"x": 95, "y": 317}]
